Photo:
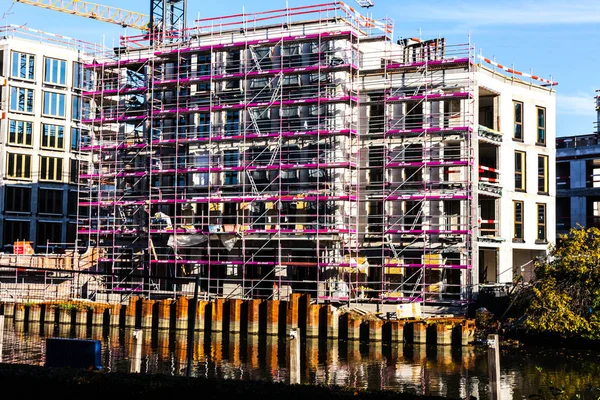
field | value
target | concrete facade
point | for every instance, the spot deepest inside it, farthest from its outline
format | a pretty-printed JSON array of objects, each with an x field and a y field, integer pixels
[{"x": 39, "y": 152}]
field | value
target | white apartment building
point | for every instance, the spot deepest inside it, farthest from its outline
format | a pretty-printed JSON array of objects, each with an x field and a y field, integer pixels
[{"x": 41, "y": 106}]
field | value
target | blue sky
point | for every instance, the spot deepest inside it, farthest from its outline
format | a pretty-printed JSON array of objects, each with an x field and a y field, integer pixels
[{"x": 554, "y": 39}]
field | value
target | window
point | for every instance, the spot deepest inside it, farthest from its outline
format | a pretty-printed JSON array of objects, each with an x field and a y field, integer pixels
[
  {"x": 51, "y": 168},
  {"x": 18, "y": 166},
  {"x": 74, "y": 171},
  {"x": 55, "y": 71},
  {"x": 203, "y": 125},
  {"x": 53, "y": 136},
  {"x": 541, "y": 223},
  {"x": 20, "y": 132},
  {"x": 543, "y": 174},
  {"x": 50, "y": 201},
  {"x": 15, "y": 230},
  {"x": 230, "y": 159},
  {"x": 23, "y": 65},
  {"x": 232, "y": 122},
  {"x": 76, "y": 107},
  {"x": 17, "y": 199},
  {"x": 48, "y": 233},
  {"x": 54, "y": 104},
  {"x": 21, "y": 99},
  {"x": 518, "y": 219},
  {"x": 518, "y": 133},
  {"x": 520, "y": 170},
  {"x": 72, "y": 201},
  {"x": 82, "y": 78},
  {"x": 541, "y": 126},
  {"x": 75, "y": 138}
]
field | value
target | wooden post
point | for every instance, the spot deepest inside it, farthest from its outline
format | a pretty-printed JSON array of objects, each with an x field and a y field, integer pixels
[
  {"x": 294, "y": 357},
  {"x": 494, "y": 366}
]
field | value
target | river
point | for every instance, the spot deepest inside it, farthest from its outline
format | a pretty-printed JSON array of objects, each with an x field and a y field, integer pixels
[{"x": 448, "y": 371}]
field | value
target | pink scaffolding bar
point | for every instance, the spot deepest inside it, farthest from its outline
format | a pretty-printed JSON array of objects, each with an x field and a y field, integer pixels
[
  {"x": 256, "y": 42},
  {"x": 442, "y": 266},
  {"x": 112, "y": 92},
  {"x": 242, "y": 199},
  {"x": 429, "y": 231},
  {"x": 116, "y": 64},
  {"x": 429, "y": 63},
  {"x": 247, "y": 136},
  {"x": 432, "y": 96},
  {"x": 434, "y": 130},
  {"x": 427, "y": 163},
  {"x": 256, "y": 74},
  {"x": 450, "y": 196},
  {"x": 240, "y": 106},
  {"x": 222, "y": 169}
]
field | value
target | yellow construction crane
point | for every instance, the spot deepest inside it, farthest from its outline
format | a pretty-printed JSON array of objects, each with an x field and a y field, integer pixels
[
  {"x": 166, "y": 19},
  {"x": 98, "y": 12}
]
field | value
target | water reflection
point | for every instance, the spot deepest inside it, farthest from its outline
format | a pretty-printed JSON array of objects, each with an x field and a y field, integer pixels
[{"x": 428, "y": 370}]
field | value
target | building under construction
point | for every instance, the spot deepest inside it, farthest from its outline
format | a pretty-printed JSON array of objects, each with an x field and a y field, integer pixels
[{"x": 307, "y": 150}]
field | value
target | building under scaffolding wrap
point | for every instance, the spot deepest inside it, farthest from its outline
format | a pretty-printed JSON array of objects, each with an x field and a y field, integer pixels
[{"x": 303, "y": 150}]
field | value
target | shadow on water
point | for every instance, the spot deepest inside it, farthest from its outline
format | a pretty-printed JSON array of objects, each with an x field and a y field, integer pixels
[{"x": 450, "y": 371}]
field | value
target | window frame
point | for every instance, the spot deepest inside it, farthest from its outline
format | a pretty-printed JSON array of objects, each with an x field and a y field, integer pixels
[
  {"x": 15, "y": 195},
  {"x": 61, "y": 73},
  {"x": 30, "y": 66},
  {"x": 541, "y": 224},
  {"x": 518, "y": 121},
  {"x": 47, "y": 200},
  {"x": 27, "y": 137},
  {"x": 56, "y": 136},
  {"x": 8, "y": 228},
  {"x": 518, "y": 222},
  {"x": 14, "y": 158},
  {"x": 545, "y": 187},
  {"x": 522, "y": 174},
  {"x": 539, "y": 127},
  {"x": 28, "y": 105},
  {"x": 53, "y": 170},
  {"x": 59, "y": 96}
]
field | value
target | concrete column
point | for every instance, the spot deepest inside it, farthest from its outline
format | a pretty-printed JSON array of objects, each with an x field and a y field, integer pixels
[
  {"x": 181, "y": 313},
  {"x": 49, "y": 313},
  {"x": 397, "y": 328},
  {"x": 115, "y": 314},
  {"x": 293, "y": 308},
  {"x": 35, "y": 314},
  {"x": 164, "y": 314},
  {"x": 333, "y": 318},
  {"x": 312, "y": 320},
  {"x": 136, "y": 359},
  {"x": 201, "y": 315},
  {"x": 253, "y": 316},
  {"x": 294, "y": 357},
  {"x": 272, "y": 317},
  {"x": 98, "y": 314},
  {"x": 147, "y": 312},
  {"x": 443, "y": 334},
  {"x": 162, "y": 342},
  {"x": 354, "y": 328},
  {"x": 419, "y": 332},
  {"x": 9, "y": 310},
  {"x": 578, "y": 207},
  {"x": 375, "y": 330},
  {"x": 131, "y": 311},
  {"x": 235, "y": 314},
  {"x": 216, "y": 320},
  {"x": 19, "y": 312}
]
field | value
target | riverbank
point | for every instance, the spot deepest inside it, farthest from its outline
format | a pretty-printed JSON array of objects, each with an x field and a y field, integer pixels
[{"x": 28, "y": 382}]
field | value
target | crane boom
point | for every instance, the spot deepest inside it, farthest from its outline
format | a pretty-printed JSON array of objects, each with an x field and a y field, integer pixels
[{"x": 99, "y": 12}]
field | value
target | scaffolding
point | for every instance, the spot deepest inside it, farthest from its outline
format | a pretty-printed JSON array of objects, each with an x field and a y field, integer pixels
[{"x": 294, "y": 150}]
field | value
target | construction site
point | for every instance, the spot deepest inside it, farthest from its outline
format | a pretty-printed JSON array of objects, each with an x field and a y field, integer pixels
[{"x": 308, "y": 150}]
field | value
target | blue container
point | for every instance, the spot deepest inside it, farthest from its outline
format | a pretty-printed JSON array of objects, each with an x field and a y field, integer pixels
[{"x": 75, "y": 353}]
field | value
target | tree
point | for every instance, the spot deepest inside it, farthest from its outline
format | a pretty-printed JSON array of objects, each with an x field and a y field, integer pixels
[{"x": 564, "y": 297}]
